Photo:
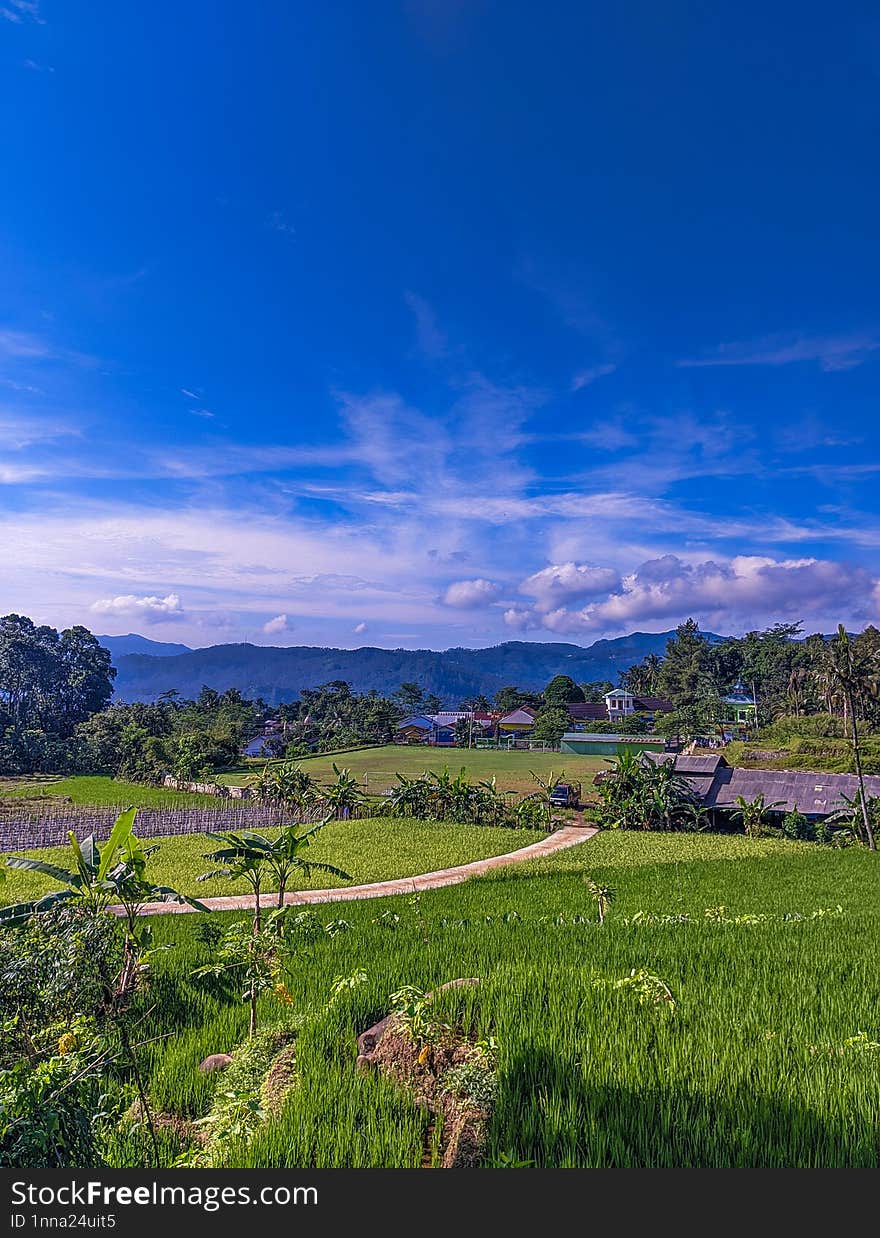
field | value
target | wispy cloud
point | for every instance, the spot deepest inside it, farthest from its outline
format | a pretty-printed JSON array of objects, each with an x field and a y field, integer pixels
[
  {"x": 278, "y": 222},
  {"x": 22, "y": 344},
  {"x": 28, "y": 346},
  {"x": 584, "y": 378},
  {"x": 431, "y": 339},
  {"x": 831, "y": 352},
  {"x": 38, "y": 68},
  {"x": 18, "y": 432},
  {"x": 19, "y": 11}
]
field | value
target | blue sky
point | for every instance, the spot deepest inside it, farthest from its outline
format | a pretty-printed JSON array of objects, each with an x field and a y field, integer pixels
[{"x": 438, "y": 322}]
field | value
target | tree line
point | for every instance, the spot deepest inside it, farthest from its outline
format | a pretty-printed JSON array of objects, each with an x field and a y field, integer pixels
[{"x": 784, "y": 672}]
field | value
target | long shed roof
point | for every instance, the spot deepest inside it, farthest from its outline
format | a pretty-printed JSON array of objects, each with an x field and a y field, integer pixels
[{"x": 814, "y": 794}]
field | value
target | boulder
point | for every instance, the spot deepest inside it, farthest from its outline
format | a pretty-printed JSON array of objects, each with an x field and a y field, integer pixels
[{"x": 215, "y": 1061}]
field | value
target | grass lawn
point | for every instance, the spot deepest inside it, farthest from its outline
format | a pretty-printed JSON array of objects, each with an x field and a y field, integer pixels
[
  {"x": 97, "y": 790},
  {"x": 755, "y": 1065},
  {"x": 369, "y": 850},
  {"x": 376, "y": 767}
]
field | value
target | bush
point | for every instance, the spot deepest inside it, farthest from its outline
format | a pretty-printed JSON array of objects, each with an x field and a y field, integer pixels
[
  {"x": 47, "y": 1115},
  {"x": 795, "y": 825}
]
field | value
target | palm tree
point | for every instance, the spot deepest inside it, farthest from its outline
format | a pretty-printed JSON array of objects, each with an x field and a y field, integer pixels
[
  {"x": 850, "y": 675},
  {"x": 603, "y": 895}
]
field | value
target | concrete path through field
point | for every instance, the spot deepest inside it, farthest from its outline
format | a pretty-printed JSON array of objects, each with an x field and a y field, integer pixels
[{"x": 567, "y": 836}]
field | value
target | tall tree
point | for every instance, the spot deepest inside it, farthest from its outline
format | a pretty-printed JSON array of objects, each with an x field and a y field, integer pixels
[
  {"x": 562, "y": 690},
  {"x": 685, "y": 678}
]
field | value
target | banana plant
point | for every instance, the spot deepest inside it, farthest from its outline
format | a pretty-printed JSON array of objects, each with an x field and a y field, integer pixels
[
  {"x": 251, "y": 855},
  {"x": 753, "y": 813},
  {"x": 344, "y": 794},
  {"x": 287, "y": 783},
  {"x": 112, "y": 874}
]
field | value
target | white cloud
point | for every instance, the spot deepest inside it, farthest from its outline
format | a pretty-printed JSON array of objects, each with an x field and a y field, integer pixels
[
  {"x": 469, "y": 594},
  {"x": 747, "y": 588},
  {"x": 148, "y": 609},
  {"x": 562, "y": 583},
  {"x": 584, "y": 377},
  {"x": 22, "y": 344},
  {"x": 280, "y": 623},
  {"x": 832, "y": 352},
  {"x": 360, "y": 628},
  {"x": 521, "y": 619},
  {"x": 432, "y": 341},
  {"x": 22, "y": 10}
]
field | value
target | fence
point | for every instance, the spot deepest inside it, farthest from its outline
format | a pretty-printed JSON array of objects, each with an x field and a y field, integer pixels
[{"x": 30, "y": 826}]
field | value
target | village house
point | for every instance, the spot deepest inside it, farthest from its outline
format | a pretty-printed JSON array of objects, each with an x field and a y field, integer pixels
[
  {"x": 621, "y": 703},
  {"x": 438, "y": 729},
  {"x": 739, "y": 713}
]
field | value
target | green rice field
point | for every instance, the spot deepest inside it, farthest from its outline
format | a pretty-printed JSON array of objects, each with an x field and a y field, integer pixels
[
  {"x": 369, "y": 850},
  {"x": 770, "y": 1056},
  {"x": 96, "y": 790}
]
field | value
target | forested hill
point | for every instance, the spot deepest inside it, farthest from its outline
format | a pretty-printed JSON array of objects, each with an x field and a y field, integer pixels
[{"x": 279, "y": 674}]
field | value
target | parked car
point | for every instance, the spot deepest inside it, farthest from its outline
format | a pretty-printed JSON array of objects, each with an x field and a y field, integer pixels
[{"x": 565, "y": 795}]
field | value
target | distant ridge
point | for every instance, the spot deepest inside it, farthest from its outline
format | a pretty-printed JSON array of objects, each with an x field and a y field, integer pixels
[
  {"x": 119, "y": 646},
  {"x": 278, "y": 675}
]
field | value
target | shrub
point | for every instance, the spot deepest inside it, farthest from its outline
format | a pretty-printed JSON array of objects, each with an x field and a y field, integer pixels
[{"x": 795, "y": 825}]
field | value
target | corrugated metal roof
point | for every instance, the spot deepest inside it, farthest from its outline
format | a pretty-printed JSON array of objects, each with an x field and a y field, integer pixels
[
  {"x": 595, "y": 711},
  {"x": 525, "y": 715},
  {"x": 653, "y": 704},
  {"x": 815, "y": 794},
  {"x": 589, "y": 737},
  {"x": 422, "y": 721},
  {"x": 692, "y": 765}
]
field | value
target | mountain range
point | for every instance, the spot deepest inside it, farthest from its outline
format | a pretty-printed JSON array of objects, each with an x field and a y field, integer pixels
[{"x": 146, "y": 669}]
